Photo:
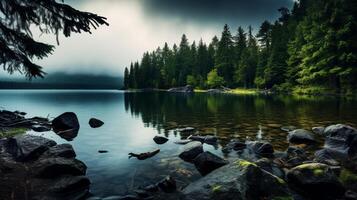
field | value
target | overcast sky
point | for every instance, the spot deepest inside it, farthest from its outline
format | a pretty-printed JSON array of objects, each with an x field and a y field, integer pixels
[{"x": 137, "y": 26}]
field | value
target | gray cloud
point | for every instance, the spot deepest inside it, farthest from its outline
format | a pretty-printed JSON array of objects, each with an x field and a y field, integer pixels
[{"x": 137, "y": 26}]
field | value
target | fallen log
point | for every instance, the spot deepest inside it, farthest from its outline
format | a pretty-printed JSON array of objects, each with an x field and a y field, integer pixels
[{"x": 143, "y": 156}]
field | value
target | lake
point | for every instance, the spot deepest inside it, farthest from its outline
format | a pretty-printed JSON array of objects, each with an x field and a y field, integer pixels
[{"x": 132, "y": 119}]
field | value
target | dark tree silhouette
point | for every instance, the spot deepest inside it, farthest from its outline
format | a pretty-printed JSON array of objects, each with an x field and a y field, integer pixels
[{"x": 17, "y": 46}]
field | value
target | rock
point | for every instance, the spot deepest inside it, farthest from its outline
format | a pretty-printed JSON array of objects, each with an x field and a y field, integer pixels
[
  {"x": 55, "y": 167},
  {"x": 234, "y": 145},
  {"x": 209, "y": 139},
  {"x": 28, "y": 147},
  {"x": 261, "y": 148},
  {"x": 269, "y": 166},
  {"x": 318, "y": 130},
  {"x": 40, "y": 128},
  {"x": 65, "y": 121},
  {"x": 300, "y": 136},
  {"x": 190, "y": 151},
  {"x": 207, "y": 162},
  {"x": 68, "y": 135},
  {"x": 160, "y": 139},
  {"x": 95, "y": 123},
  {"x": 102, "y": 151},
  {"x": 182, "y": 141},
  {"x": 340, "y": 131},
  {"x": 61, "y": 150},
  {"x": 185, "y": 89},
  {"x": 239, "y": 180},
  {"x": 316, "y": 181},
  {"x": 167, "y": 185},
  {"x": 288, "y": 128},
  {"x": 215, "y": 91},
  {"x": 330, "y": 156},
  {"x": 69, "y": 184},
  {"x": 186, "y": 130}
]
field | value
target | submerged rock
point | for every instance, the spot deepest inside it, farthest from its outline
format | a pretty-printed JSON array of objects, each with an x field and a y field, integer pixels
[
  {"x": 190, "y": 151},
  {"x": 186, "y": 130},
  {"x": 95, "y": 123},
  {"x": 160, "y": 140},
  {"x": 209, "y": 139},
  {"x": 207, "y": 162},
  {"x": 316, "y": 181},
  {"x": 288, "y": 128},
  {"x": 240, "y": 180},
  {"x": 167, "y": 185},
  {"x": 318, "y": 130},
  {"x": 40, "y": 128},
  {"x": 300, "y": 136},
  {"x": 234, "y": 145}
]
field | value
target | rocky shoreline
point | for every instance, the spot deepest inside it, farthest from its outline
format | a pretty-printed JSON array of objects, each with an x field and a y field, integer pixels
[{"x": 33, "y": 167}]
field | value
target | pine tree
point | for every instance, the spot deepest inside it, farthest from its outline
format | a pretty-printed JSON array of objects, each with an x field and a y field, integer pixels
[
  {"x": 225, "y": 56},
  {"x": 126, "y": 78},
  {"x": 18, "y": 49}
]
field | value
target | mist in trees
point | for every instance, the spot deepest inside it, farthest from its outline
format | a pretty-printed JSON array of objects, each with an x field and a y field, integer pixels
[{"x": 313, "y": 45}]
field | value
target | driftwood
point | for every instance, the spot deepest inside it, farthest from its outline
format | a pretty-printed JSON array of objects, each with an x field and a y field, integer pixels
[{"x": 143, "y": 156}]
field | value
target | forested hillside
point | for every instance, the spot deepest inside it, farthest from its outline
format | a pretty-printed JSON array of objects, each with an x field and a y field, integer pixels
[{"x": 310, "y": 48}]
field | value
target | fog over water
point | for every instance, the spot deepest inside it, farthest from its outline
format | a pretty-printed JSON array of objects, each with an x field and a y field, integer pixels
[{"x": 137, "y": 26}]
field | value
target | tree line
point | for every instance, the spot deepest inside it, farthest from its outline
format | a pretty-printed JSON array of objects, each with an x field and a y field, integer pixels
[{"x": 312, "y": 46}]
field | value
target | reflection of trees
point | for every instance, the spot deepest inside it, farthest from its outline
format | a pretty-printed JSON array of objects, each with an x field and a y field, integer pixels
[{"x": 236, "y": 115}]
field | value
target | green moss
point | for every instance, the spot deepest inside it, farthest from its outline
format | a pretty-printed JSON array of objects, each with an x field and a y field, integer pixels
[
  {"x": 244, "y": 163},
  {"x": 243, "y": 91},
  {"x": 283, "y": 198},
  {"x": 347, "y": 176},
  {"x": 9, "y": 132},
  {"x": 318, "y": 172},
  {"x": 281, "y": 181},
  {"x": 216, "y": 188}
]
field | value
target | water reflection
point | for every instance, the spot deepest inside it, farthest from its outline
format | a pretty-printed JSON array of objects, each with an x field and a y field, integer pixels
[{"x": 236, "y": 116}]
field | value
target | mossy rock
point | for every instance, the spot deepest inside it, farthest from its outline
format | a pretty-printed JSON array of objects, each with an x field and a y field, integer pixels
[
  {"x": 348, "y": 179},
  {"x": 239, "y": 180},
  {"x": 10, "y": 132},
  {"x": 316, "y": 181}
]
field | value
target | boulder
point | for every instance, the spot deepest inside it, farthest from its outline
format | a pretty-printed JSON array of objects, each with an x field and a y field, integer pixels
[
  {"x": 318, "y": 130},
  {"x": 40, "y": 128},
  {"x": 68, "y": 184},
  {"x": 185, "y": 89},
  {"x": 160, "y": 140},
  {"x": 95, "y": 123},
  {"x": 61, "y": 150},
  {"x": 207, "y": 162},
  {"x": 340, "y": 131},
  {"x": 316, "y": 181},
  {"x": 264, "y": 149},
  {"x": 300, "y": 136},
  {"x": 190, "y": 151},
  {"x": 28, "y": 147},
  {"x": 330, "y": 156},
  {"x": 65, "y": 121},
  {"x": 55, "y": 167},
  {"x": 239, "y": 180}
]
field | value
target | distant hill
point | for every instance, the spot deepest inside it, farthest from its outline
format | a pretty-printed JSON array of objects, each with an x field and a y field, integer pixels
[{"x": 64, "y": 81}]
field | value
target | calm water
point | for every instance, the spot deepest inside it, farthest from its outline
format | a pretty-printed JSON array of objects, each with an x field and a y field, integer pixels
[{"x": 133, "y": 119}]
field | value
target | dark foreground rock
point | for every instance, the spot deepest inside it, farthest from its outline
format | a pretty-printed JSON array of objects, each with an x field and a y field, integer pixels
[
  {"x": 240, "y": 180},
  {"x": 316, "y": 181},
  {"x": 300, "y": 136},
  {"x": 263, "y": 149},
  {"x": 185, "y": 89},
  {"x": 190, "y": 151},
  {"x": 95, "y": 123},
  {"x": 160, "y": 139},
  {"x": 33, "y": 167},
  {"x": 206, "y": 162}
]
